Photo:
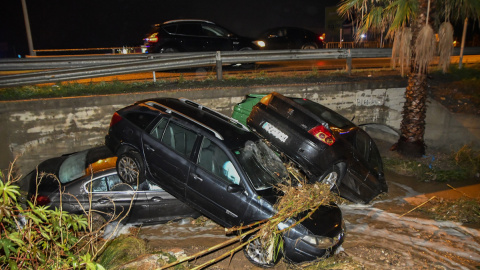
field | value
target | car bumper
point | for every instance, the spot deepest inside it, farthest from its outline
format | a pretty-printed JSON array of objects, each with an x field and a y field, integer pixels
[{"x": 298, "y": 251}]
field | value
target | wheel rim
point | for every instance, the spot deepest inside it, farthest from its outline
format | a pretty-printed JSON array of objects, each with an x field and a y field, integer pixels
[
  {"x": 330, "y": 179},
  {"x": 256, "y": 252},
  {"x": 128, "y": 169}
]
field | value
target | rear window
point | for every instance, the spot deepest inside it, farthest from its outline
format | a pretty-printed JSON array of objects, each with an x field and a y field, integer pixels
[
  {"x": 171, "y": 29},
  {"x": 331, "y": 117},
  {"x": 73, "y": 167},
  {"x": 141, "y": 119}
]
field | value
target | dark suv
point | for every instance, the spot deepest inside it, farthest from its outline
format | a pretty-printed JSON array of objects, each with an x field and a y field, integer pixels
[
  {"x": 219, "y": 167},
  {"x": 194, "y": 36}
]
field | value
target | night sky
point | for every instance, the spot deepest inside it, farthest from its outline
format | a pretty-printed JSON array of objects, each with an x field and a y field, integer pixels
[{"x": 63, "y": 24}]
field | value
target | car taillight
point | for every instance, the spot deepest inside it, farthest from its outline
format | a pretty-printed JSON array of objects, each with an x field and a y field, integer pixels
[
  {"x": 42, "y": 200},
  {"x": 266, "y": 99},
  {"x": 322, "y": 37},
  {"x": 153, "y": 38},
  {"x": 115, "y": 119},
  {"x": 322, "y": 133}
]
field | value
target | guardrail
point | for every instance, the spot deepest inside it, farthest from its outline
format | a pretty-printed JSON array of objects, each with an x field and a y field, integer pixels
[{"x": 74, "y": 68}]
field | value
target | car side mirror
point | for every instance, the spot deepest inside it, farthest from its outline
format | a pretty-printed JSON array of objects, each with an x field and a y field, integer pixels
[{"x": 234, "y": 188}]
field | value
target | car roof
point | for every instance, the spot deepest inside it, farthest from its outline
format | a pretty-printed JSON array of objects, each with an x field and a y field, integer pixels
[
  {"x": 187, "y": 20},
  {"x": 229, "y": 130}
]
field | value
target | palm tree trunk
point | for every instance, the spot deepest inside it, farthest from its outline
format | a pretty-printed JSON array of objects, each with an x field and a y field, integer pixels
[{"x": 412, "y": 127}]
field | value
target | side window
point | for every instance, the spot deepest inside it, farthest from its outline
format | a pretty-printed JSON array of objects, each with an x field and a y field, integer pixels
[
  {"x": 179, "y": 139},
  {"x": 213, "y": 159},
  {"x": 157, "y": 131},
  {"x": 213, "y": 31},
  {"x": 189, "y": 29},
  {"x": 98, "y": 185}
]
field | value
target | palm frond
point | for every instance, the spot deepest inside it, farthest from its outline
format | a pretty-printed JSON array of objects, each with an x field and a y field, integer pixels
[
  {"x": 445, "y": 45},
  {"x": 424, "y": 45}
]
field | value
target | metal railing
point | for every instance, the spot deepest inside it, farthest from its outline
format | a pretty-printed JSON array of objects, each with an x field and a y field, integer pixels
[{"x": 75, "y": 68}]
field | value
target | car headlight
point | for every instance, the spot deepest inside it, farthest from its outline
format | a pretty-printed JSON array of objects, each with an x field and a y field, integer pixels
[
  {"x": 259, "y": 43},
  {"x": 321, "y": 242}
]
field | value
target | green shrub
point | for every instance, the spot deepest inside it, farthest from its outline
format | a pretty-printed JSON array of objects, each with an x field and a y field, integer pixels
[{"x": 36, "y": 237}]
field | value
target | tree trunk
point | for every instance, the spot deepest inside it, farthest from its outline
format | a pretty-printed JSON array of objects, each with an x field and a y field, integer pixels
[{"x": 412, "y": 127}]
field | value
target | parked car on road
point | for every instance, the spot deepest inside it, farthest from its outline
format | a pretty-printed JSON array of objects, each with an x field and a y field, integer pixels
[
  {"x": 217, "y": 166},
  {"x": 194, "y": 36},
  {"x": 325, "y": 145},
  {"x": 89, "y": 178},
  {"x": 290, "y": 38}
]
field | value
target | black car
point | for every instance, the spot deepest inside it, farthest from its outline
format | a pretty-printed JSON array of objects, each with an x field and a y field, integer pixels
[
  {"x": 326, "y": 146},
  {"x": 88, "y": 179},
  {"x": 194, "y": 36},
  {"x": 290, "y": 38},
  {"x": 216, "y": 165}
]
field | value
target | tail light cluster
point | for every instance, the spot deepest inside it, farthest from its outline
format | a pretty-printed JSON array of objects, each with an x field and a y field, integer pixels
[
  {"x": 153, "y": 38},
  {"x": 323, "y": 134},
  {"x": 115, "y": 119},
  {"x": 42, "y": 200}
]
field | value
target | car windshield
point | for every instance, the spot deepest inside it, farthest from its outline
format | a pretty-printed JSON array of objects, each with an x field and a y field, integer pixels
[
  {"x": 262, "y": 165},
  {"x": 73, "y": 167},
  {"x": 333, "y": 118}
]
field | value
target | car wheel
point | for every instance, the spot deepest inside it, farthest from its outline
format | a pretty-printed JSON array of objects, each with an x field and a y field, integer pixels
[
  {"x": 260, "y": 256},
  {"x": 130, "y": 168},
  {"x": 168, "y": 50},
  {"x": 309, "y": 46},
  {"x": 247, "y": 65},
  {"x": 331, "y": 177}
]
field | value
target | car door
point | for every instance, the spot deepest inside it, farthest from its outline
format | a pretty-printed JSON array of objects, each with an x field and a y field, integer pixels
[
  {"x": 168, "y": 149},
  {"x": 189, "y": 37},
  {"x": 216, "y": 38},
  {"x": 277, "y": 39},
  {"x": 163, "y": 206},
  {"x": 112, "y": 198},
  {"x": 215, "y": 185}
]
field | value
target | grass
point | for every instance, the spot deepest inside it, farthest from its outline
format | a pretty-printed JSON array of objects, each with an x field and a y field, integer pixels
[
  {"x": 436, "y": 166},
  {"x": 464, "y": 210}
]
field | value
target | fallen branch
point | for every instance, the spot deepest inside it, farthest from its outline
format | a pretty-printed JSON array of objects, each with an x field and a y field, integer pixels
[{"x": 418, "y": 206}]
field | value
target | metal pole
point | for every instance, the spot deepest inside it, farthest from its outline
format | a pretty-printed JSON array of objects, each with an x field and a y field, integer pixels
[
  {"x": 154, "y": 77},
  {"x": 27, "y": 26},
  {"x": 463, "y": 42},
  {"x": 218, "y": 59},
  {"x": 349, "y": 63}
]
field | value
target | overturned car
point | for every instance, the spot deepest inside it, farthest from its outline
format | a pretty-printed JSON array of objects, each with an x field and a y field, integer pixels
[
  {"x": 325, "y": 145},
  {"x": 219, "y": 167}
]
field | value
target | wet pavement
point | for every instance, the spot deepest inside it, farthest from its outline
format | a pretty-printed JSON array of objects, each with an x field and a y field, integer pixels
[{"x": 380, "y": 235}]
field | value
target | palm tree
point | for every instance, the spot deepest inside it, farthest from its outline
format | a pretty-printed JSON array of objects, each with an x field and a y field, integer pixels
[{"x": 412, "y": 17}]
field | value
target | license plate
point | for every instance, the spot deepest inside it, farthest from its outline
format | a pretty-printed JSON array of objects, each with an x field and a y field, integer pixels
[{"x": 275, "y": 132}]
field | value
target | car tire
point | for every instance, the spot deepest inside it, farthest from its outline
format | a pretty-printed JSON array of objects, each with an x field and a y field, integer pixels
[
  {"x": 309, "y": 46},
  {"x": 130, "y": 168},
  {"x": 331, "y": 177},
  {"x": 257, "y": 255},
  {"x": 168, "y": 50},
  {"x": 96, "y": 222}
]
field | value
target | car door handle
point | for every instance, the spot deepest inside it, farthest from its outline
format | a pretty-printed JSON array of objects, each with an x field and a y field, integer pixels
[
  {"x": 149, "y": 148},
  {"x": 103, "y": 200},
  {"x": 196, "y": 177},
  {"x": 157, "y": 199}
]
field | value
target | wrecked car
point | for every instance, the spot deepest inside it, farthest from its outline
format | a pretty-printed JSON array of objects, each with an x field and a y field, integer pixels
[
  {"x": 326, "y": 146},
  {"x": 217, "y": 166},
  {"x": 88, "y": 180}
]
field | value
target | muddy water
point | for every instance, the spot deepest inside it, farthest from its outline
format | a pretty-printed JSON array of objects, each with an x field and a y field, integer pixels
[{"x": 379, "y": 235}]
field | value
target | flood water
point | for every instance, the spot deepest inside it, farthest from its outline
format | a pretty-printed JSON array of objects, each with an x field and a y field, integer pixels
[{"x": 380, "y": 235}]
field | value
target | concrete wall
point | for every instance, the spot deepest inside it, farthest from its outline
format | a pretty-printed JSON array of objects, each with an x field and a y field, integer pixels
[{"x": 35, "y": 130}]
